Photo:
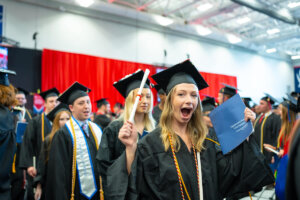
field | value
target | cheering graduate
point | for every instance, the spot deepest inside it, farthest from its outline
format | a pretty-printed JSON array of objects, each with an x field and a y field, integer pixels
[
  {"x": 111, "y": 147},
  {"x": 226, "y": 93},
  {"x": 267, "y": 126},
  {"x": 157, "y": 110},
  {"x": 58, "y": 116},
  {"x": 103, "y": 117},
  {"x": 175, "y": 161},
  {"x": 22, "y": 100},
  {"x": 71, "y": 172},
  {"x": 37, "y": 129},
  {"x": 7, "y": 132}
]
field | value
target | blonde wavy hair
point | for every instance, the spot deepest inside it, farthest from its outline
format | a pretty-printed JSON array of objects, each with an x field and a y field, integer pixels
[
  {"x": 286, "y": 125},
  {"x": 196, "y": 127},
  {"x": 129, "y": 101}
]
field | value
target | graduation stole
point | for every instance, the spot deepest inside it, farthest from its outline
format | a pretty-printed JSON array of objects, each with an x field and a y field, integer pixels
[{"x": 82, "y": 158}]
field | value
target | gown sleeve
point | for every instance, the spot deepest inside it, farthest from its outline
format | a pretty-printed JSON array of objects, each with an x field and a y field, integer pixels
[
  {"x": 59, "y": 167},
  {"x": 41, "y": 165}
]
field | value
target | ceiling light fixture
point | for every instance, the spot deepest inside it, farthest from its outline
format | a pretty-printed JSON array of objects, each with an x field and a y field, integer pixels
[
  {"x": 243, "y": 20},
  {"x": 85, "y": 3},
  {"x": 203, "y": 30},
  {"x": 272, "y": 50},
  {"x": 233, "y": 39},
  {"x": 164, "y": 21},
  {"x": 273, "y": 31},
  {"x": 293, "y": 4},
  {"x": 204, "y": 7},
  {"x": 295, "y": 57}
]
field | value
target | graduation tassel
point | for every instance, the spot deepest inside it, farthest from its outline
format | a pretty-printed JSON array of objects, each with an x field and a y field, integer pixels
[{"x": 101, "y": 189}]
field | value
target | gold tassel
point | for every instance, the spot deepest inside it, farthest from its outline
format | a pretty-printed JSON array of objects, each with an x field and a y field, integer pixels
[
  {"x": 14, "y": 165},
  {"x": 101, "y": 189}
]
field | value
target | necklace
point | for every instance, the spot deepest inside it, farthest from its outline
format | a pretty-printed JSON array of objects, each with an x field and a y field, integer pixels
[{"x": 180, "y": 178}]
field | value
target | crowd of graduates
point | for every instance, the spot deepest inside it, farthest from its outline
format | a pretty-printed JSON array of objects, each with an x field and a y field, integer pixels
[{"x": 167, "y": 151}]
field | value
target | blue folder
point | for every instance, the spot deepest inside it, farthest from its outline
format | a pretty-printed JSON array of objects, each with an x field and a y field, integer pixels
[
  {"x": 20, "y": 130},
  {"x": 229, "y": 124}
]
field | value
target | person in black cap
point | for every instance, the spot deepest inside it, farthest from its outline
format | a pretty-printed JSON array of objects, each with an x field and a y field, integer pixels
[
  {"x": 71, "y": 172},
  {"x": 36, "y": 131},
  {"x": 267, "y": 126},
  {"x": 111, "y": 147},
  {"x": 7, "y": 132},
  {"x": 247, "y": 101},
  {"x": 226, "y": 93},
  {"x": 288, "y": 111},
  {"x": 167, "y": 164},
  {"x": 118, "y": 110},
  {"x": 102, "y": 117},
  {"x": 208, "y": 104},
  {"x": 22, "y": 100},
  {"x": 159, "y": 107},
  {"x": 58, "y": 116}
]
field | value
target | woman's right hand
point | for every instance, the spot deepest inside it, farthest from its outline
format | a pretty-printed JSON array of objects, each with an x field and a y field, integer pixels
[
  {"x": 128, "y": 135},
  {"x": 38, "y": 192},
  {"x": 31, "y": 171}
]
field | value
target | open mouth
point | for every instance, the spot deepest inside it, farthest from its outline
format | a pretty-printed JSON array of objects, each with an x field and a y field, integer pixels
[{"x": 186, "y": 111}]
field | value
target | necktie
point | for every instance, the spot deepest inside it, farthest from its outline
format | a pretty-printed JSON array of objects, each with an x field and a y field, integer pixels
[
  {"x": 261, "y": 118},
  {"x": 85, "y": 129}
]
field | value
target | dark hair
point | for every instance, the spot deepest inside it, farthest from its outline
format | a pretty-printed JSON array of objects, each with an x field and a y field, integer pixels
[{"x": 119, "y": 105}]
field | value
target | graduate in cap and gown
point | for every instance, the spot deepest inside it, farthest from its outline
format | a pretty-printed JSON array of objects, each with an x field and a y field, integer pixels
[
  {"x": 157, "y": 110},
  {"x": 176, "y": 161},
  {"x": 226, "y": 93},
  {"x": 36, "y": 131},
  {"x": 103, "y": 117},
  {"x": 7, "y": 132},
  {"x": 58, "y": 116},
  {"x": 22, "y": 100},
  {"x": 72, "y": 172},
  {"x": 267, "y": 126},
  {"x": 111, "y": 147}
]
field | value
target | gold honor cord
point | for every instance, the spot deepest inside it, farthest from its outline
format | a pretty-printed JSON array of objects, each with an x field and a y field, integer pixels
[
  {"x": 43, "y": 125},
  {"x": 73, "y": 160},
  {"x": 213, "y": 141},
  {"x": 28, "y": 113},
  {"x": 262, "y": 134}
]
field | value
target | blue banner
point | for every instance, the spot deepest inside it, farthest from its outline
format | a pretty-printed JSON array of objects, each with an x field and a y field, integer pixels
[{"x": 297, "y": 78}]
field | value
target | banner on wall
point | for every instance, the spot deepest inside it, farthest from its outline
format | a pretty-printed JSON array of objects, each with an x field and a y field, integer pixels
[
  {"x": 38, "y": 104},
  {"x": 297, "y": 78},
  {"x": 1, "y": 20}
]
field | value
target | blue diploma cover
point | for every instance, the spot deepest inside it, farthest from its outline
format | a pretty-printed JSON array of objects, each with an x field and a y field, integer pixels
[
  {"x": 229, "y": 123},
  {"x": 20, "y": 130}
]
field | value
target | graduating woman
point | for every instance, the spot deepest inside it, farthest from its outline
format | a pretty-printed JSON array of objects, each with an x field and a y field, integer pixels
[
  {"x": 58, "y": 116},
  {"x": 176, "y": 161},
  {"x": 111, "y": 147}
]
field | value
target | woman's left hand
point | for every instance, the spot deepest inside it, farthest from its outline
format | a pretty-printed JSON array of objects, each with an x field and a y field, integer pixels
[{"x": 249, "y": 114}]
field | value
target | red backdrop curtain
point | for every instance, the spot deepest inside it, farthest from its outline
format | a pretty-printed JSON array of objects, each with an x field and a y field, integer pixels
[{"x": 61, "y": 69}]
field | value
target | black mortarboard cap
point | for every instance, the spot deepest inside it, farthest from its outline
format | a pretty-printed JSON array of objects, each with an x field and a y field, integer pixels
[
  {"x": 247, "y": 101},
  {"x": 131, "y": 82},
  {"x": 4, "y": 76},
  {"x": 228, "y": 89},
  {"x": 208, "y": 104},
  {"x": 75, "y": 91},
  {"x": 102, "y": 101},
  {"x": 291, "y": 103},
  {"x": 53, "y": 92},
  {"x": 294, "y": 94},
  {"x": 60, "y": 107},
  {"x": 269, "y": 98},
  {"x": 184, "y": 72},
  {"x": 22, "y": 91},
  {"x": 159, "y": 89}
]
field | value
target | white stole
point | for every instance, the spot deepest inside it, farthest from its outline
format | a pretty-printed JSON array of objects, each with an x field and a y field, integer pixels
[{"x": 85, "y": 169}]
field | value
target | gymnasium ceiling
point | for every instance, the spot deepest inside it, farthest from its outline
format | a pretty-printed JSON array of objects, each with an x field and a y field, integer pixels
[{"x": 268, "y": 27}]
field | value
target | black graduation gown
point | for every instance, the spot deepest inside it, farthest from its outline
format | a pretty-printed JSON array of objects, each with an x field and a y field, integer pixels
[
  {"x": 7, "y": 150},
  {"x": 59, "y": 179},
  {"x": 102, "y": 121},
  {"x": 156, "y": 113},
  {"x": 153, "y": 174},
  {"x": 28, "y": 115},
  {"x": 271, "y": 131},
  {"x": 32, "y": 140},
  {"x": 293, "y": 174}
]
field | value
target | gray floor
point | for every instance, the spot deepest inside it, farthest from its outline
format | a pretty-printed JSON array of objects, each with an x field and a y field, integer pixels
[{"x": 263, "y": 195}]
